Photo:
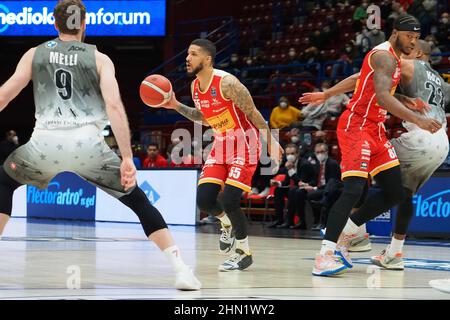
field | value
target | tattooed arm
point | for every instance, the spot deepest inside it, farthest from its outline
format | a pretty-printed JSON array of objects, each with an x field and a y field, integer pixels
[
  {"x": 234, "y": 90},
  {"x": 384, "y": 66},
  {"x": 192, "y": 114}
]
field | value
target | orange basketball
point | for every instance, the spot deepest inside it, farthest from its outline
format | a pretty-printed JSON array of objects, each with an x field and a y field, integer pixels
[{"x": 155, "y": 90}]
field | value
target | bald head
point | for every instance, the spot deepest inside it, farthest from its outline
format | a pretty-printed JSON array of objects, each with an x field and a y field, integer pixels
[{"x": 423, "y": 50}]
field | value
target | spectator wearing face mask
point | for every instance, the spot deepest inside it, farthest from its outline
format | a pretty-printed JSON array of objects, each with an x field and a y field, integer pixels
[
  {"x": 8, "y": 145},
  {"x": 443, "y": 31},
  {"x": 376, "y": 37},
  {"x": 284, "y": 115},
  {"x": 313, "y": 117},
  {"x": 360, "y": 15},
  {"x": 296, "y": 169},
  {"x": 326, "y": 190},
  {"x": 434, "y": 60}
]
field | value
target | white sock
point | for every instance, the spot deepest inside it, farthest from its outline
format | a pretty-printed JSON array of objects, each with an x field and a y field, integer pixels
[
  {"x": 225, "y": 220},
  {"x": 243, "y": 245},
  {"x": 174, "y": 256},
  {"x": 395, "y": 247},
  {"x": 351, "y": 227},
  {"x": 327, "y": 246}
]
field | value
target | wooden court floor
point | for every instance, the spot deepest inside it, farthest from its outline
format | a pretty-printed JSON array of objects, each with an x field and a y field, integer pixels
[{"x": 50, "y": 260}]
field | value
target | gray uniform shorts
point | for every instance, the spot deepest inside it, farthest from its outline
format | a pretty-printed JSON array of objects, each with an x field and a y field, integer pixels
[
  {"x": 420, "y": 153},
  {"x": 82, "y": 151}
]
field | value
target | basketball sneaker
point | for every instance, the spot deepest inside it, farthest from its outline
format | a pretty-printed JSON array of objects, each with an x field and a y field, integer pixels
[
  {"x": 185, "y": 280},
  {"x": 342, "y": 249},
  {"x": 360, "y": 243},
  {"x": 328, "y": 265},
  {"x": 239, "y": 260},
  {"x": 383, "y": 260},
  {"x": 227, "y": 239}
]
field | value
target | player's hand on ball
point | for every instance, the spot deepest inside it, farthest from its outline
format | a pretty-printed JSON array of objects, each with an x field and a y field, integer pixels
[
  {"x": 172, "y": 103},
  {"x": 430, "y": 125},
  {"x": 127, "y": 173}
]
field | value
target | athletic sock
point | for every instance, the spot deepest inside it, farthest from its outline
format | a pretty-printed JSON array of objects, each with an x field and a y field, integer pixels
[
  {"x": 327, "y": 246},
  {"x": 225, "y": 220},
  {"x": 243, "y": 245},
  {"x": 395, "y": 247},
  {"x": 174, "y": 257}
]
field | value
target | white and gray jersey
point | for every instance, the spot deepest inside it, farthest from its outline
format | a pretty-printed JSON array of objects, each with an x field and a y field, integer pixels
[
  {"x": 66, "y": 86},
  {"x": 428, "y": 85}
]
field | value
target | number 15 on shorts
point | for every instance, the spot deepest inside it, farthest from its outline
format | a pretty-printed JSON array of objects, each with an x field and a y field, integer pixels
[{"x": 235, "y": 173}]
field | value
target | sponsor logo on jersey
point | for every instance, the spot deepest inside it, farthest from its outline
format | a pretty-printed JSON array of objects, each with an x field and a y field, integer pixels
[
  {"x": 215, "y": 102},
  {"x": 213, "y": 92},
  {"x": 364, "y": 165},
  {"x": 76, "y": 48},
  {"x": 51, "y": 44}
]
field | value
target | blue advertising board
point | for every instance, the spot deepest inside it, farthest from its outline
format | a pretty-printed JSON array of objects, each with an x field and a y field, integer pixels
[
  {"x": 66, "y": 197},
  {"x": 103, "y": 18},
  {"x": 431, "y": 211}
]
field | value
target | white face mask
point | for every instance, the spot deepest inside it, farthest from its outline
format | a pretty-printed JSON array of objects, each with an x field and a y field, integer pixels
[
  {"x": 295, "y": 139},
  {"x": 321, "y": 157},
  {"x": 291, "y": 157},
  {"x": 283, "y": 104},
  {"x": 15, "y": 139},
  {"x": 444, "y": 20},
  {"x": 234, "y": 59},
  {"x": 249, "y": 62},
  {"x": 291, "y": 54}
]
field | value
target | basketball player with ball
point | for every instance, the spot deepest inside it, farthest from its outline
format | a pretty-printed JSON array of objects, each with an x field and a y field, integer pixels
[
  {"x": 75, "y": 94},
  {"x": 225, "y": 104}
]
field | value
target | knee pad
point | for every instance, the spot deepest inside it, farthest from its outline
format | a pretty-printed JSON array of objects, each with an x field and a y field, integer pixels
[
  {"x": 7, "y": 187},
  {"x": 231, "y": 200},
  {"x": 150, "y": 218},
  {"x": 207, "y": 194}
]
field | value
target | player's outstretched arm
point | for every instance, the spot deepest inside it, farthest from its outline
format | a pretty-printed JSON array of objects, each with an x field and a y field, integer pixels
[
  {"x": 344, "y": 86},
  {"x": 384, "y": 65},
  {"x": 19, "y": 80},
  {"x": 233, "y": 89},
  {"x": 117, "y": 117}
]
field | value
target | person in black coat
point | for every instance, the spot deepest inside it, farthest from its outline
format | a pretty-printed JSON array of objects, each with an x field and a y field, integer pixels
[
  {"x": 297, "y": 170},
  {"x": 327, "y": 188}
]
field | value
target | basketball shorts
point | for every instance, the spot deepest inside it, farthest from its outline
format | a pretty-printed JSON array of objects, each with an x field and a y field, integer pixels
[
  {"x": 82, "y": 151},
  {"x": 233, "y": 168},
  {"x": 364, "y": 150},
  {"x": 420, "y": 153}
]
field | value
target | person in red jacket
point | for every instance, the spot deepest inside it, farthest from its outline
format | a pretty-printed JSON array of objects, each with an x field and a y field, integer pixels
[{"x": 154, "y": 159}]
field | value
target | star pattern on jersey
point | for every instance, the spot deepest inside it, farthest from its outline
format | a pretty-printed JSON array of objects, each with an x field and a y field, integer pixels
[
  {"x": 59, "y": 147},
  {"x": 41, "y": 88},
  {"x": 86, "y": 70},
  {"x": 408, "y": 165},
  {"x": 56, "y": 162},
  {"x": 88, "y": 111},
  {"x": 51, "y": 105},
  {"x": 79, "y": 144},
  {"x": 423, "y": 153},
  {"x": 99, "y": 179},
  {"x": 104, "y": 167},
  {"x": 85, "y": 91},
  {"x": 43, "y": 157},
  {"x": 40, "y": 112},
  {"x": 38, "y": 172}
]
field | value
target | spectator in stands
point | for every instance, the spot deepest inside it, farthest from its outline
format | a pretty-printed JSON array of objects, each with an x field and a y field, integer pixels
[
  {"x": 335, "y": 104},
  {"x": 434, "y": 60},
  {"x": 443, "y": 31},
  {"x": 313, "y": 117},
  {"x": 296, "y": 170},
  {"x": 376, "y": 37},
  {"x": 326, "y": 190},
  {"x": 284, "y": 115},
  {"x": 154, "y": 159},
  {"x": 295, "y": 136},
  {"x": 344, "y": 62},
  {"x": 419, "y": 10},
  {"x": 360, "y": 15},
  {"x": 362, "y": 42},
  {"x": 8, "y": 145},
  {"x": 234, "y": 65}
]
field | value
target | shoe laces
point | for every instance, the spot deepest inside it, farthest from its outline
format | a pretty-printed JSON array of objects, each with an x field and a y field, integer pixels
[{"x": 226, "y": 234}]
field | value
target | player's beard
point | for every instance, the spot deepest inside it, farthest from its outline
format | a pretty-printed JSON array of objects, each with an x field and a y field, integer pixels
[
  {"x": 196, "y": 70},
  {"x": 399, "y": 45}
]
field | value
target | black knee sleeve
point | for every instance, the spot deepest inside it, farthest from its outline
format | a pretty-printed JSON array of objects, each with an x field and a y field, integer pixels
[
  {"x": 231, "y": 199},
  {"x": 207, "y": 198},
  {"x": 7, "y": 187},
  {"x": 404, "y": 214},
  {"x": 150, "y": 218}
]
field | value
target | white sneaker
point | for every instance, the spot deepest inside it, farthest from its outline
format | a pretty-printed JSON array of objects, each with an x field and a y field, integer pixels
[
  {"x": 185, "y": 280},
  {"x": 265, "y": 192}
]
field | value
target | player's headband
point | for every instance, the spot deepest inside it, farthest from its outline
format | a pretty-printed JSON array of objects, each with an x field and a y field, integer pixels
[{"x": 407, "y": 23}]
